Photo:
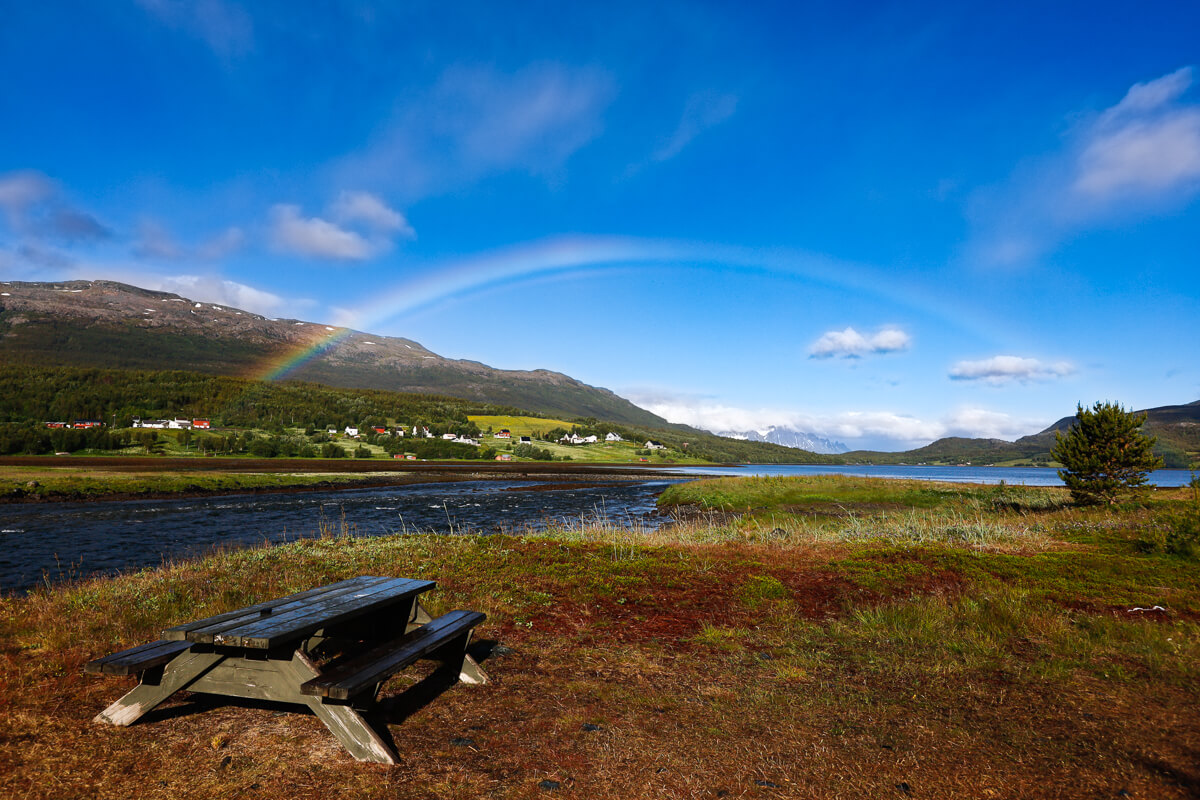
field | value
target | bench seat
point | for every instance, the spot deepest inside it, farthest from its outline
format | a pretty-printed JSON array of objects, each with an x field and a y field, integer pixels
[
  {"x": 137, "y": 659},
  {"x": 348, "y": 679}
]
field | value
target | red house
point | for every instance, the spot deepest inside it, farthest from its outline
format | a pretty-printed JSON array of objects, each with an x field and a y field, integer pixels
[{"x": 201, "y": 423}]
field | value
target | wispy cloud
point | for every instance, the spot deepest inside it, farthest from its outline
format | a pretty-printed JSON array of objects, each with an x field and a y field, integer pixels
[
  {"x": 849, "y": 343},
  {"x": 35, "y": 208},
  {"x": 225, "y": 27},
  {"x": 154, "y": 242},
  {"x": 476, "y": 121},
  {"x": 703, "y": 110},
  {"x": 222, "y": 291},
  {"x": 1133, "y": 159},
  {"x": 1001, "y": 370}
]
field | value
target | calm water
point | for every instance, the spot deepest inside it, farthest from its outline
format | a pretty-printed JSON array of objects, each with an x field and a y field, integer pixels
[
  {"x": 58, "y": 540},
  {"x": 1020, "y": 476}
]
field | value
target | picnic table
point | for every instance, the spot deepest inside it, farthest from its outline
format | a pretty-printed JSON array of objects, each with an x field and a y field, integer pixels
[{"x": 361, "y": 631}]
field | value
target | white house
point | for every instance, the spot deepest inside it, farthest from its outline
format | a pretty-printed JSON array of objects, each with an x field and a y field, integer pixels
[
  {"x": 525, "y": 440},
  {"x": 653, "y": 445},
  {"x": 465, "y": 440},
  {"x": 571, "y": 438},
  {"x": 449, "y": 437},
  {"x": 180, "y": 424},
  {"x": 590, "y": 440},
  {"x": 613, "y": 437},
  {"x": 353, "y": 432}
]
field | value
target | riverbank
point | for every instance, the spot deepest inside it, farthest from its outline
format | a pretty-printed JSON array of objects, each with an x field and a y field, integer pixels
[
  {"x": 857, "y": 641},
  {"x": 36, "y": 479}
]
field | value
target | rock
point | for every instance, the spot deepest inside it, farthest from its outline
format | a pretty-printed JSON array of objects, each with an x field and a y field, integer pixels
[
  {"x": 904, "y": 788},
  {"x": 549, "y": 785},
  {"x": 767, "y": 784},
  {"x": 462, "y": 741},
  {"x": 587, "y": 726}
]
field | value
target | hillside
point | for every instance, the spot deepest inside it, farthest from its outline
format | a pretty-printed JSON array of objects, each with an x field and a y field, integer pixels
[
  {"x": 1177, "y": 429},
  {"x": 109, "y": 324}
]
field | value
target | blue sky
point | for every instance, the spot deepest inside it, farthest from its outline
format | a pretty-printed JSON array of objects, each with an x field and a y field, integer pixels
[{"x": 884, "y": 224}]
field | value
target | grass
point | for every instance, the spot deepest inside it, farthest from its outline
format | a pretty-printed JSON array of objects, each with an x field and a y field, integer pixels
[
  {"x": 830, "y": 655},
  {"x": 53, "y": 483}
]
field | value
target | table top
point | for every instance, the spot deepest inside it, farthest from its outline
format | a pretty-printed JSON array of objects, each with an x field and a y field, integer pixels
[{"x": 297, "y": 616}]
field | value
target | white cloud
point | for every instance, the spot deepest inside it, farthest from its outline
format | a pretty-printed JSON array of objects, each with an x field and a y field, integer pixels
[
  {"x": 33, "y": 204},
  {"x": 366, "y": 208},
  {"x": 315, "y": 237},
  {"x": 873, "y": 429},
  {"x": 1142, "y": 156},
  {"x": 221, "y": 291},
  {"x": 1138, "y": 157},
  {"x": 849, "y": 343},
  {"x": 224, "y": 27},
  {"x": 1000, "y": 370}
]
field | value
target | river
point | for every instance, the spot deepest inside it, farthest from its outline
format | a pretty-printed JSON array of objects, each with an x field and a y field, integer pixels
[{"x": 55, "y": 541}]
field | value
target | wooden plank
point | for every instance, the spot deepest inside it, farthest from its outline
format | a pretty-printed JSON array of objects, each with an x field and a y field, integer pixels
[
  {"x": 277, "y": 629},
  {"x": 179, "y": 674},
  {"x": 137, "y": 659},
  {"x": 355, "y": 676},
  {"x": 347, "y": 725},
  {"x": 193, "y": 631}
]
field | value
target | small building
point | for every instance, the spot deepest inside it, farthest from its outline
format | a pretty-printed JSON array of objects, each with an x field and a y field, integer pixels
[
  {"x": 571, "y": 438},
  {"x": 449, "y": 437},
  {"x": 613, "y": 437},
  {"x": 590, "y": 439},
  {"x": 504, "y": 433},
  {"x": 201, "y": 424},
  {"x": 57, "y": 425},
  {"x": 379, "y": 429},
  {"x": 332, "y": 431},
  {"x": 466, "y": 440},
  {"x": 653, "y": 445},
  {"x": 352, "y": 432},
  {"x": 504, "y": 457},
  {"x": 88, "y": 423},
  {"x": 180, "y": 424},
  {"x": 410, "y": 457},
  {"x": 525, "y": 440}
]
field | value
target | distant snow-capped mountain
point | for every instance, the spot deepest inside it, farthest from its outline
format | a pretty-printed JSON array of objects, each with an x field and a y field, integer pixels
[{"x": 790, "y": 438}]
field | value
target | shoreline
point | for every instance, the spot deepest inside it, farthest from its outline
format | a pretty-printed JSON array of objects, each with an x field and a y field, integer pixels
[{"x": 339, "y": 476}]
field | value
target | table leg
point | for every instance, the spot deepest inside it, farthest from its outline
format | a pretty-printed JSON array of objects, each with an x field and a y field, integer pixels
[
  {"x": 347, "y": 724},
  {"x": 179, "y": 673},
  {"x": 471, "y": 671}
]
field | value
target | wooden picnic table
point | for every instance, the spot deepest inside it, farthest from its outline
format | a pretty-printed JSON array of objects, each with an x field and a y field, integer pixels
[{"x": 374, "y": 626}]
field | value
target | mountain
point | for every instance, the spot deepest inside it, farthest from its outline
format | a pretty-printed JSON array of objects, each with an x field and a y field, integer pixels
[
  {"x": 113, "y": 325},
  {"x": 789, "y": 438},
  {"x": 1177, "y": 429}
]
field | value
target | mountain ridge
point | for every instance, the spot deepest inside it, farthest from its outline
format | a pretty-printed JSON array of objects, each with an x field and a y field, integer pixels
[{"x": 113, "y": 324}]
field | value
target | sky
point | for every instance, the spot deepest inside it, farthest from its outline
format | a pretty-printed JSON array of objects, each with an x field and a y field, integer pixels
[{"x": 883, "y": 223}]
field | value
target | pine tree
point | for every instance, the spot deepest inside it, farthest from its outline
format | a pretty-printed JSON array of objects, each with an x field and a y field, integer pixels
[{"x": 1105, "y": 455}]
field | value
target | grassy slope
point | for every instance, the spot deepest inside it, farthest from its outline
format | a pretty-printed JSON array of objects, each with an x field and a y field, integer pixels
[{"x": 784, "y": 652}]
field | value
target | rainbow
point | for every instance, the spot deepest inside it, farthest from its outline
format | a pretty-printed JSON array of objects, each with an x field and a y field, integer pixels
[{"x": 569, "y": 254}]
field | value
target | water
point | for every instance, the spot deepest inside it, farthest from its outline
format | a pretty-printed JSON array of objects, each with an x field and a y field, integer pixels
[
  {"x": 1016, "y": 476},
  {"x": 59, "y": 540},
  {"x": 53, "y": 541}
]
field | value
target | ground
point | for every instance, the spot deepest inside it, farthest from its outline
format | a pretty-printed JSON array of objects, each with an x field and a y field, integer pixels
[{"x": 810, "y": 638}]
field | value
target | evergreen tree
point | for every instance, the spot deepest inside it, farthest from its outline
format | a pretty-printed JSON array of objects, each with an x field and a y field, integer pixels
[{"x": 1105, "y": 455}]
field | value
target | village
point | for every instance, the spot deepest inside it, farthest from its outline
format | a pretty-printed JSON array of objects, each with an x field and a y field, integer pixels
[{"x": 383, "y": 440}]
